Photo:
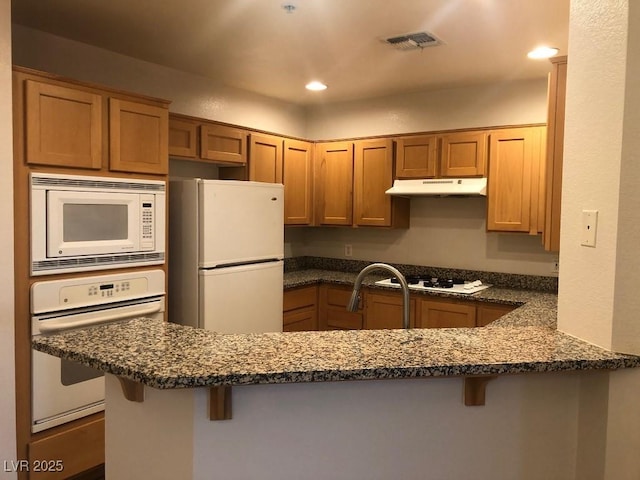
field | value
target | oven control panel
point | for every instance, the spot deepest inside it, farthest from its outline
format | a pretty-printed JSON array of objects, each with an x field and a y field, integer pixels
[
  {"x": 116, "y": 290},
  {"x": 95, "y": 290}
]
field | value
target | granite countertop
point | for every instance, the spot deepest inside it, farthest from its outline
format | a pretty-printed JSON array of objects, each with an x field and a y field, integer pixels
[
  {"x": 537, "y": 309},
  {"x": 165, "y": 355}
]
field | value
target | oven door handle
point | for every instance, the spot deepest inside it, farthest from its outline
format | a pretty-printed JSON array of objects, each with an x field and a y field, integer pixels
[{"x": 59, "y": 325}]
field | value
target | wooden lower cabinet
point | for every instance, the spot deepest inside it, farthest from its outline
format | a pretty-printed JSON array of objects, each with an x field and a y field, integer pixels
[
  {"x": 300, "y": 311},
  {"x": 77, "y": 449},
  {"x": 446, "y": 314},
  {"x": 332, "y": 308},
  {"x": 385, "y": 310},
  {"x": 488, "y": 312},
  {"x": 380, "y": 309}
]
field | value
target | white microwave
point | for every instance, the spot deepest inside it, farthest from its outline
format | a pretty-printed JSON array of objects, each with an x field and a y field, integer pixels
[{"x": 92, "y": 223}]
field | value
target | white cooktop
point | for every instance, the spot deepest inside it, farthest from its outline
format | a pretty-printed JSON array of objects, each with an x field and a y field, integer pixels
[{"x": 466, "y": 288}]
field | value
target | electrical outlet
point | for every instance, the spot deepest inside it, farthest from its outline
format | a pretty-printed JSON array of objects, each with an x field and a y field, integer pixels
[
  {"x": 348, "y": 250},
  {"x": 556, "y": 266}
]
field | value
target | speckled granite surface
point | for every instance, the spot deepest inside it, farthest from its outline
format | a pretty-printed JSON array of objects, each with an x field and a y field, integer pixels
[{"x": 165, "y": 355}]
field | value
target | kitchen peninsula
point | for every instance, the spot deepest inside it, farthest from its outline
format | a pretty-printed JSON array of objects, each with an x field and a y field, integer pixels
[{"x": 289, "y": 391}]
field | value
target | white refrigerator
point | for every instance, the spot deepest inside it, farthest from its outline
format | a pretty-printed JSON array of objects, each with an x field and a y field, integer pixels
[{"x": 226, "y": 255}]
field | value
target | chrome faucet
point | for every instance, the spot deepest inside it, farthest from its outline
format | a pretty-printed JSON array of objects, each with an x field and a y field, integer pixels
[{"x": 352, "y": 306}]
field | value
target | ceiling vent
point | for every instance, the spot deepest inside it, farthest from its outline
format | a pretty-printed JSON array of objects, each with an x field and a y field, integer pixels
[{"x": 413, "y": 41}]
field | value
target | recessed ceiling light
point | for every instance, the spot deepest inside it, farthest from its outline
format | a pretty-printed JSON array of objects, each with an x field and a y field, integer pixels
[
  {"x": 542, "y": 52},
  {"x": 315, "y": 86}
]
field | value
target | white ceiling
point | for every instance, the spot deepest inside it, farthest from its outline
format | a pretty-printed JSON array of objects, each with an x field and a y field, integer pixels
[{"x": 257, "y": 46}]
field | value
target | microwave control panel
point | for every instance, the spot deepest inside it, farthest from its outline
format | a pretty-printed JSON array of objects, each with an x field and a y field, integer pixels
[{"x": 147, "y": 224}]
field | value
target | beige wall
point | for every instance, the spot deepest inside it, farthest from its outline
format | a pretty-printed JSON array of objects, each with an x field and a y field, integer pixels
[
  {"x": 598, "y": 298},
  {"x": 7, "y": 376},
  {"x": 509, "y": 103},
  {"x": 445, "y": 232}
]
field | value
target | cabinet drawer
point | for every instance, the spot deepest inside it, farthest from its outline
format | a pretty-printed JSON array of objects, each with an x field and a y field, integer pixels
[
  {"x": 299, "y": 298},
  {"x": 300, "y": 320},
  {"x": 79, "y": 448}
]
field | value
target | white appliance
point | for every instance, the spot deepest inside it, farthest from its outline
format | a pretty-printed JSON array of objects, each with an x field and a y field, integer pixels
[
  {"x": 88, "y": 223},
  {"x": 437, "y": 285},
  {"x": 227, "y": 251},
  {"x": 62, "y": 390},
  {"x": 439, "y": 187}
]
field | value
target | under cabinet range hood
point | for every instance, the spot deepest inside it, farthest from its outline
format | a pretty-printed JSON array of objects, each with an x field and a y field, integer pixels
[{"x": 436, "y": 187}]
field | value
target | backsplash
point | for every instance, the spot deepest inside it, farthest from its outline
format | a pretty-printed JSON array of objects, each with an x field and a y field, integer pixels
[{"x": 505, "y": 280}]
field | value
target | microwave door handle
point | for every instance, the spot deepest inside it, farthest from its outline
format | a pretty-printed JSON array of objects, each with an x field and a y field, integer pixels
[{"x": 59, "y": 325}]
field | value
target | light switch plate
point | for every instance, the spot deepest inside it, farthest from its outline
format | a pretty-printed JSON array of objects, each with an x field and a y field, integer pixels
[{"x": 589, "y": 228}]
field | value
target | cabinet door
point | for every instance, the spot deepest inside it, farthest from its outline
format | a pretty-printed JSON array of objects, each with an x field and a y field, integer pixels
[
  {"x": 63, "y": 126},
  {"x": 373, "y": 175},
  {"x": 334, "y": 184},
  {"x": 416, "y": 157},
  {"x": 487, "y": 313},
  {"x": 385, "y": 310},
  {"x": 220, "y": 143},
  {"x": 332, "y": 309},
  {"x": 297, "y": 176},
  {"x": 301, "y": 297},
  {"x": 463, "y": 154},
  {"x": 555, "y": 143},
  {"x": 265, "y": 158},
  {"x": 183, "y": 138},
  {"x": 138, "y": 137},
  {"x": 514, "y": 153},
  {"x": 444, "y": 314}
]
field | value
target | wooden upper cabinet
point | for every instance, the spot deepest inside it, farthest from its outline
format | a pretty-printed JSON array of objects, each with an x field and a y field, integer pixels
[
  {"x": 64, "y": 126},
  {"x": 183, "y": 138},
  {"x": 416, "y": 157},
  {"x": 373, "y": 175},
  {"x": 555, "y": 143},
  {"x": 265, "y": 158},
  {"x": 138, "y": 137},
  {"x": 297, "y": 176},
  {"x": 333, "y": 184},
  {"x": 220, "y": 143},
  {"x": 514, "y": 179},
  {"x": 463, "y": 154},
  {"x": 445, "y": 314}
]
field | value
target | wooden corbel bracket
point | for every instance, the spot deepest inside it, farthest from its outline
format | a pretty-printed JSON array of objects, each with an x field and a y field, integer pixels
[
  {"x": 475, "y": 390},
  {"x": 133, "y": 391}
]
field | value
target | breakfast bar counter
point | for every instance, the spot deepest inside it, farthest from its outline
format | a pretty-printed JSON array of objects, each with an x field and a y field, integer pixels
[
  {"x": 296, "y": 412},
  {"x": 166, "y": 356}
]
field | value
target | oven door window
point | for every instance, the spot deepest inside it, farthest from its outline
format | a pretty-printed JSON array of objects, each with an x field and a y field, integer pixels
[
  {"x": 90, "y": 223},
  {"x": 72, "y": 373}
]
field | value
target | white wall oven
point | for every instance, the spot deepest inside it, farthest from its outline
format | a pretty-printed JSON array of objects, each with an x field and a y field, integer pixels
[
  {"x": 62, "y": 390},
  {"x": 81, "y": 223}
]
